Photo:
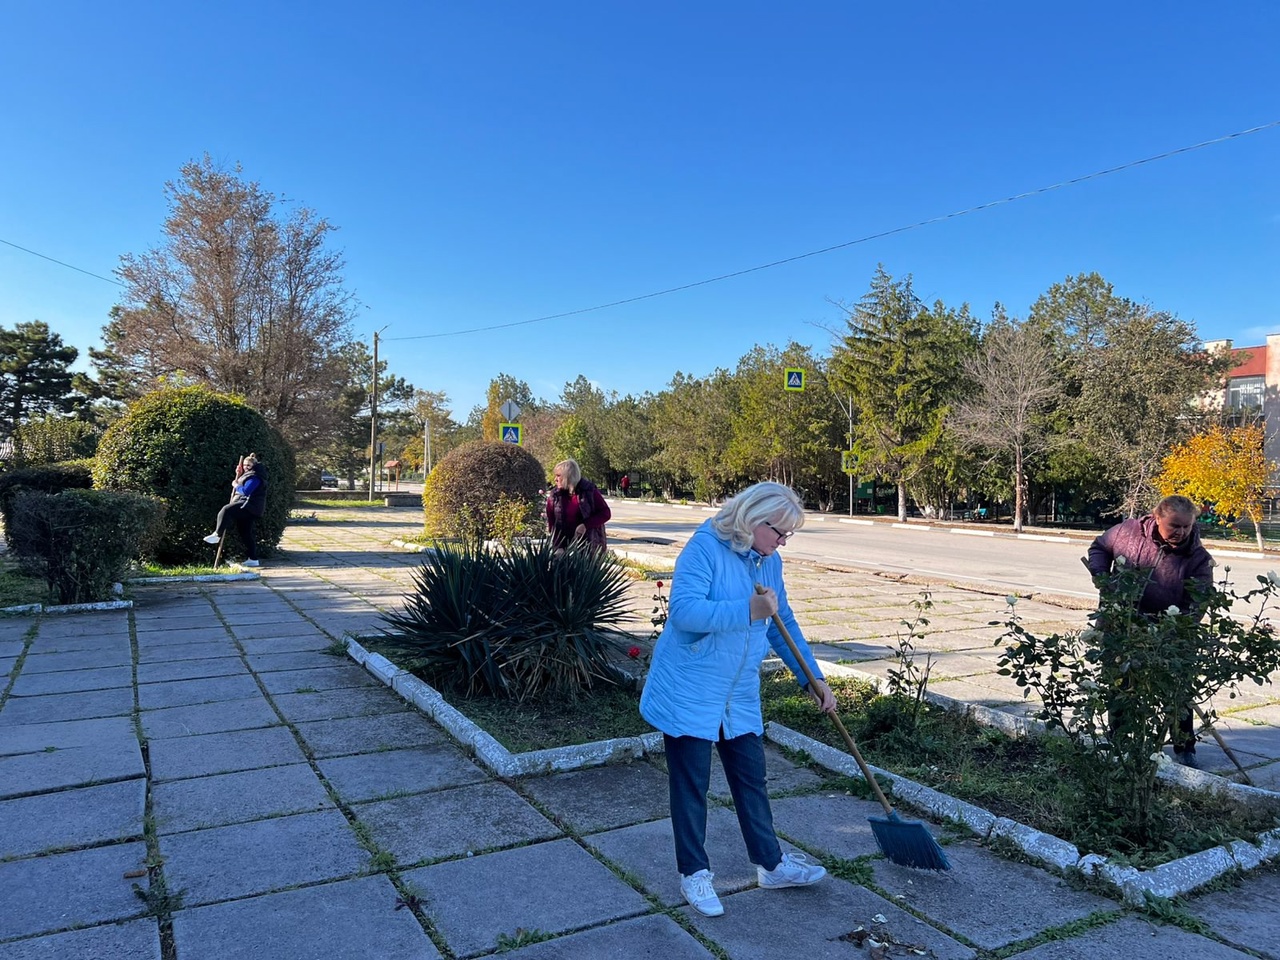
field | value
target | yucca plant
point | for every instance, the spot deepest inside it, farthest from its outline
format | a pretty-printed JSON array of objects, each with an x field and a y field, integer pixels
[{"x": 522, "y": 622}]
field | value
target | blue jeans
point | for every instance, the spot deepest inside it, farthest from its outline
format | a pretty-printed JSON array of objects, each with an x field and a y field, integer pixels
[{"x": 689, "y": 777}]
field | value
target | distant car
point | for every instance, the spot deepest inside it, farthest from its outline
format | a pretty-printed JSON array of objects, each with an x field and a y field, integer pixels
[{"x": 328, "y": 481}]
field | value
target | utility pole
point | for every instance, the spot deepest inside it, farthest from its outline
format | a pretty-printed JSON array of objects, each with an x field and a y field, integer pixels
[
  {"x": 426, "y": 447},
  {"x": 373, "y": 418}
]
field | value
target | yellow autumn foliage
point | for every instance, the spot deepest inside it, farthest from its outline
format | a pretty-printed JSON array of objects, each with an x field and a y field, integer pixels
[{"x": 1224, "y": 466}]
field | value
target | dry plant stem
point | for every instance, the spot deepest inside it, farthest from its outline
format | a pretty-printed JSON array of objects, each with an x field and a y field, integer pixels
[{"x": 835, "y": 718}]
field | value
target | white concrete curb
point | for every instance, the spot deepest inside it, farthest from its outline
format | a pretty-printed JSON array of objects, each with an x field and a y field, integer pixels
[
  {"x": 69, "y": 607},
  {"x": 488, "y": 751},
  {"x": 1170, "y": 879}
]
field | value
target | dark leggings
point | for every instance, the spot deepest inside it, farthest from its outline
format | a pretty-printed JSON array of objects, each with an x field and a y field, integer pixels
[{"x": 235, "y": 513}]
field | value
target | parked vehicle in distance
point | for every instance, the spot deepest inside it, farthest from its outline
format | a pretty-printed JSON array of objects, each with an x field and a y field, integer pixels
[{"x": 328, "y": 481}]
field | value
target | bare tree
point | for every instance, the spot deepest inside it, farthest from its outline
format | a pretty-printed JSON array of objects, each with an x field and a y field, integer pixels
[
  {"x": 241, "y": 299},
  {"x": 1013, "y": 371}
]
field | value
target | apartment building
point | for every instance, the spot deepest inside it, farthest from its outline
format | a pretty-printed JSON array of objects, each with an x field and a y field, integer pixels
[{"x": 1253, "y": 387}]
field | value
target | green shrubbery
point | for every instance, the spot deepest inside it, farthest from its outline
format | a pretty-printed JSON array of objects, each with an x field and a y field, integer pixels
[
  {"x": 484, "y": 490},
  {"x": 183, "y": 445},
  {"x": 51, "y": 478},
  {"x": 81, "y": 541},
  {"x": 1116, "y": 688},
  {"x": 518, "y": 623},
  {"x": 53, "y": 439}
]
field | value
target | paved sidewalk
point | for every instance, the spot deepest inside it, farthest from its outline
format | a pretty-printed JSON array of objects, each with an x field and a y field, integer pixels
[{"x": 269, "y": 799}]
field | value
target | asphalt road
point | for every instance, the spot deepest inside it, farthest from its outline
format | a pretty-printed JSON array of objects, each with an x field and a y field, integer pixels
[{"x": 983, "y": 554}]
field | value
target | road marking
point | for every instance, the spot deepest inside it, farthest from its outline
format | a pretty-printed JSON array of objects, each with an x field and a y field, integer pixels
[
  {"x": 974, "y": 533},
  {"x": 909, "y": 526},
  {"x": 864, "y": 523}
]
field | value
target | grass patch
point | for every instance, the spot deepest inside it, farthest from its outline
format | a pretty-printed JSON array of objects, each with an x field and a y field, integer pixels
[
  {"x": 540, "y": 724},
  {"x": 18, "y": 588},
  {"x": 181, "y": 570},
  {"x": 324, "y": 504},
  {"x": 1025, "y": 779}
]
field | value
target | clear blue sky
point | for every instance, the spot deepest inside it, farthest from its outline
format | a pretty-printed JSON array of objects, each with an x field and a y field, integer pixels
[{"x": 496, "y": 162}]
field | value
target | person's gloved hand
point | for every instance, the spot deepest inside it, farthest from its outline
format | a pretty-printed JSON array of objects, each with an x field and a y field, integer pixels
[{"x": 764, "y": 605}]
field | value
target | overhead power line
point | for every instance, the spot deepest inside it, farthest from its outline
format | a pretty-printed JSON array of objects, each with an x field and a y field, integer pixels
[
  {"x": 773, "y": 263},
  {"x": 62, "y": 263},
  {"x": 849, "y": 243}
]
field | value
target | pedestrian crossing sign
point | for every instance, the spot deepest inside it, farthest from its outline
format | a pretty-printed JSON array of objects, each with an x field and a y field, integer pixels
[
  {"x": 795, "y": 379},
  {"x": 512, "y": 433}
]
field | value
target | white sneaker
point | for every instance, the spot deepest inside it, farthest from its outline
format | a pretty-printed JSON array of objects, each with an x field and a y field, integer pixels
[
  {"x": 250, "y": 563},
  {"x": 795, "y": 870},
  {"x": 212, "y": 538},
  {"x": 697, "y": 889}
]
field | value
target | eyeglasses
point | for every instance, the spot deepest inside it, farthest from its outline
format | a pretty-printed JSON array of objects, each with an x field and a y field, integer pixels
[{"x": 782, "y": 537}]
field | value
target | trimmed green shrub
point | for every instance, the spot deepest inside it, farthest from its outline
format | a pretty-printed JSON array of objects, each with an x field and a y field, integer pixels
[
  {"x": 51, "y": 478},
  {"x": 81, "y": 541},
  {"x": 53, "y": 439},
  {"x": 183, "y": 445},
  {"x": 475, "y": 491},
  {"x": 519, "y": 623}
]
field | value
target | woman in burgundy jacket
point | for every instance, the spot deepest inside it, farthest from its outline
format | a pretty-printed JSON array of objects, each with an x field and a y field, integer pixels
[
  {"x": 575, "y": 509},
  {"x": 1167, "y": 543}
]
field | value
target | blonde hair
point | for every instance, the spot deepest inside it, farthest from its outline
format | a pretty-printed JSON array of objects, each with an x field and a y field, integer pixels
[
  {"x": 250, "y": 459},
  {"x": 571, "y": 471},
  {"x": 766, "y": 502}
]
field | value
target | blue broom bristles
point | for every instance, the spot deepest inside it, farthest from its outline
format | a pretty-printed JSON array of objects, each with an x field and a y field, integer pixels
[{"x": 908, "y": 843}]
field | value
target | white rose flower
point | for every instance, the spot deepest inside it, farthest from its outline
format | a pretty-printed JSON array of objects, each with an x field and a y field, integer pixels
[
  {"x": 1274, "y": 578},
  {"x": 1121, "y": 561},
  {"x": 1011, "y": 600},
  {"x": 1089, "y": 635},
  {"x": 1172, "y": 611}
]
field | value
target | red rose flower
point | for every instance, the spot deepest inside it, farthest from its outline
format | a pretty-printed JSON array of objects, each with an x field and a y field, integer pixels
[
  {"x": 659, "y": 584},
  {"x": 634, "y": 653}
]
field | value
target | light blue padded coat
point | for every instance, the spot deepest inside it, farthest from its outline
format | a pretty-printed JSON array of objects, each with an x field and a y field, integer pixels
[{"x": 705, "y": 674}]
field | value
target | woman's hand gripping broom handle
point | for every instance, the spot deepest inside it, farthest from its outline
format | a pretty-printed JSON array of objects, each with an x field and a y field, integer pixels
[{"x": 810, "y": 679}]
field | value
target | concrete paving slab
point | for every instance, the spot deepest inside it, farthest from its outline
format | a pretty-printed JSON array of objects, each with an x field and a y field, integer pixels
[
  {"x": 603, "y": 798},
  {"x": 332, "y": 677},
  {"x": 106, "y": 733},
  {"x": 152, "y": 624},
  {"x": 811, "y": 922},
  {"x": 372, "y": 776},
  {"x": 551, "y": 887},
  {"x": 352, "y": 735},
  {"x": 292, "y": 660},
  {"x": 159, "y": 672},
  {"x": 647, "y": 851},
  {"x": 208, "y": 718},
  {"x": 990, "y": 901},
  {"x": 228, "y": 798},
  {"x": 211, "y": 753},
  {"x": 6, "y": 668},
  {"x": 642, "y": 938},
  {"x": 136, "y": 939},
  {"x": 181, "y": 693},
  {"x": 9, "y": 649},
  {"x": 59, "y": 769},
  {"x": 244, "y": 859},
  {"x": 277, "y": 627},
  {"x": 155, "y": 635},
  {"x": 56, "y": 707},
  {"x": 349, "y": 918},
  {"x": 478, "y": 817},
  {"x": 101, "y": 655},
  {"x": 298, "y": 707},
  {"x": 833, "y": 823},
  {"x": 312, "y": 641},
  {"x": 65, "y": 890},
  {"x": 1132, "y": 939},
  {"x": 333, "y": 738},
  {"x": 96, "y": 626},
  {"x": 781, "y": 774},
  {"x": 72, "y": 818},
  {"x": 206, "y": 650},
  {"x": 71, "y": 681},
  {"x": 1245, "y": 916}
]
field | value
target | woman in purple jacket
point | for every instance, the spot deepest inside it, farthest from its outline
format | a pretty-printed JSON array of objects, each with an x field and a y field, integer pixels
[
  {"x": 1166, "y": 543},
  {"x": 576, "y": 510}
]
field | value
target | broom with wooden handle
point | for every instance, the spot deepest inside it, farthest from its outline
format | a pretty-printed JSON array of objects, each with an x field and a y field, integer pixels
[{"x": 906, "y": 842}]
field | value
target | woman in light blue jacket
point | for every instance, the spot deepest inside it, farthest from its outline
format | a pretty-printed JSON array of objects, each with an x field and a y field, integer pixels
[{"x": 703, "y": 687}]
